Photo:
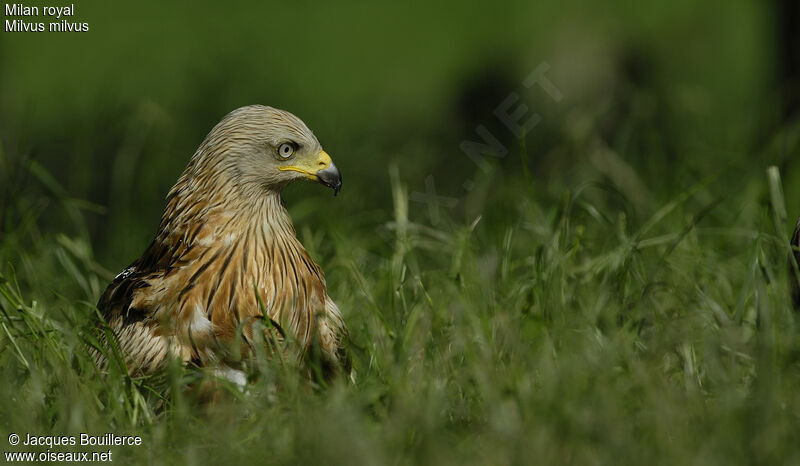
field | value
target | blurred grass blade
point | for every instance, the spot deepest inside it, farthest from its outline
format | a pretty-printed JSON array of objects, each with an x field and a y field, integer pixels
[{"x": 777, "y": 200}]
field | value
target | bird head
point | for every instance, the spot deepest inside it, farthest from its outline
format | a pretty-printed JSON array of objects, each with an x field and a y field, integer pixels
[{"x": 267, "y": 147}]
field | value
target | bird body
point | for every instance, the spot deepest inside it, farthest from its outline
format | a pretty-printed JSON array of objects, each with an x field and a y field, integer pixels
[{"x": 226, "y": 256}]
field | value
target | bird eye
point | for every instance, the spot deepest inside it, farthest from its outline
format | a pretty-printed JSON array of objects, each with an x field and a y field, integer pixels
[{"x": 286, "y": 150}]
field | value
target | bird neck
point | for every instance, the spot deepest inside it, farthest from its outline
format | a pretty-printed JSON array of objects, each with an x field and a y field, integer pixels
[
  {"x": 224, "y": 212},
  {"x": 270, "y": 213}
]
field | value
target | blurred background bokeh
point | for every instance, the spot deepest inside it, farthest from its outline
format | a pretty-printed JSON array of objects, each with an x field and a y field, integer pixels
[{"x": 657, "y": 96}]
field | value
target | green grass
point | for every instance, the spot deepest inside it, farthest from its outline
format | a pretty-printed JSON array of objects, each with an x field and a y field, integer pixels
[{"x": 550, "y": 326}]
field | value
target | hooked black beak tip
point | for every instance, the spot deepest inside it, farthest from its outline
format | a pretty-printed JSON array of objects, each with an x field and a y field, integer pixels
[{"x": 331, "y": 178}]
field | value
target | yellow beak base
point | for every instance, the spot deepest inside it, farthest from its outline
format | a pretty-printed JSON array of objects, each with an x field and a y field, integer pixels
[
  {"x": 310, "y": 170},
  {"x": 322, "y": 170}
]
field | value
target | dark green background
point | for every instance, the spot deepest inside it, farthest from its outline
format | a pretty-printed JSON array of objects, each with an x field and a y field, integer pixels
[{"x": 678, "y": 89}]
